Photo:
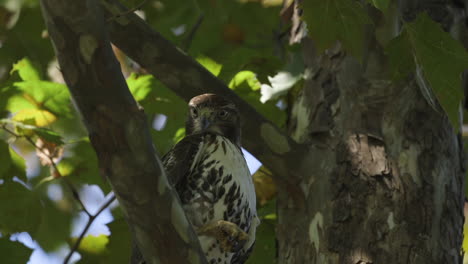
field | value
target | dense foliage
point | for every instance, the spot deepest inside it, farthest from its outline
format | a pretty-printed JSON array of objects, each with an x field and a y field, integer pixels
[{"x": 244, "y": 43}]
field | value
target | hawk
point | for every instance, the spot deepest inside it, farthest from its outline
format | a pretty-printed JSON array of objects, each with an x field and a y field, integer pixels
[{"x": 214, "y": 184}]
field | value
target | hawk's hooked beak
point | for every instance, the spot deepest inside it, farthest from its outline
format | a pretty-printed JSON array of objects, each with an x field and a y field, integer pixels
[
  {"x": 206, "y": 119},
  {"x": 208, "y": 122},
  {"x": 205, "y": 122}
]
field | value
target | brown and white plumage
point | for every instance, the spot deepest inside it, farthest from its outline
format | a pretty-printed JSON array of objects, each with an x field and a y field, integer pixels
[{"x": 211, "y": 176}]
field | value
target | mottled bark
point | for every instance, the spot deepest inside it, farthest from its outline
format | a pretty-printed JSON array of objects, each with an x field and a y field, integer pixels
[
  {"x": 119, "y": 133},
  {"x": 385, "y": 174}
]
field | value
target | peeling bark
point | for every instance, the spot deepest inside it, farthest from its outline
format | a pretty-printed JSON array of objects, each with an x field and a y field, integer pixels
[
  {"x": 119, "y": 133},
  {"x": 385, "y": 181}
]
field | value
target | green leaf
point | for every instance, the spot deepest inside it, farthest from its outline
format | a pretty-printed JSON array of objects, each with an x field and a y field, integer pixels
[
  {"x": 6, "y": 93},
  {"x": 51, "y": 96},
  {"x": 38, "y": 94},
  {"x": 49, "y": 135},
  {"x": 5, "y": 158},
  {"x": 30, "y": 130},
  {"x": 265, "y": 249},
  {"x": 13, "y": 252},
  {"x": 26, "y": 70},
  {"x": 119, "y": 242},
  {"x": 17, "y": 166},
  {"x": 440, "y": 59},
  {"x": 12, "y": 163},
  {"x": 19, "y": 102},
  {"x": 401, "y": 56},
  {"x": 93, "y": 244},
  {"x": 54, "y": 228},
  {"x": 239, "y": 36},
  {"x": 140, "y": 85},
  {"x": 40, "y": 117},
  {"x": 380, "y": 4},
  {"x": 20, "y": 210},
  {"x": 164, "y": 101},
  {"x": 82, "y": 167},
  {"x": 332, "y": 20},
  {"x": 92, "y": 248},
  {"x": 211, "y": 65},
  {"x": 24, "y": 38}
]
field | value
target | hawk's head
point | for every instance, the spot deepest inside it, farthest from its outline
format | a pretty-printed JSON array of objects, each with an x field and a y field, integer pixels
[{"x": 213, "y": 113}]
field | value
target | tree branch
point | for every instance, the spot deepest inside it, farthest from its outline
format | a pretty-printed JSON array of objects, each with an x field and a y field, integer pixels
[
  {"x": 119, "y": 133},
  {"x": 187, "y": 78}
]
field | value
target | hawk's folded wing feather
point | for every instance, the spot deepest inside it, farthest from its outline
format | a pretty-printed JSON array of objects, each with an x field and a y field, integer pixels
[{"x": 178, "y": 160}]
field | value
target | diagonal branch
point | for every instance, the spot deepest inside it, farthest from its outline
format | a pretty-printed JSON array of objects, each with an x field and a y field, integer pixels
[
  {"x": 119, "y": 133},
  {"x": 187, "y": 78}
]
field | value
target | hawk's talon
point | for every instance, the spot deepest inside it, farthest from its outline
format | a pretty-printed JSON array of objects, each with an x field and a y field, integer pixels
[{"x": 230, "y": 237}]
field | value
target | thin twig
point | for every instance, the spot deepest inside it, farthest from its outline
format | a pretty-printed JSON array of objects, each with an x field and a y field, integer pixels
[
  {"x": 54, "y": 165},
  {"x": 188, "y": 40},
  {"x": 88, "y": 225},
  {"x": 76, "y": 195},
  {"x": 74, "y": 191}
]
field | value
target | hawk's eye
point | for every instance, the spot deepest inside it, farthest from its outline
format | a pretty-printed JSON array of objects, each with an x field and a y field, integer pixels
[
  {"x": 194, "y": 112},
  {"x": 223, "y": 114}
]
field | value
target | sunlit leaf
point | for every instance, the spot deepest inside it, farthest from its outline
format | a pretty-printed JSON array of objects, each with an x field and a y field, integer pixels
[
  {"x": 22, "y": 212},
  {"x": 6, "y": 93},
  {"x": 19, "y": 102},
  {"x": 92, "y": 245},
  {"x": 13, "y": 252},
  {"x": 179, "y": 135},
  {"x": 41, "y": 117},
  {"x": 26, "y": 70},
  {"x": 54, "y": 97},
  {"x": 211, "y": 65},
  {"x": 140, "y": 85}
]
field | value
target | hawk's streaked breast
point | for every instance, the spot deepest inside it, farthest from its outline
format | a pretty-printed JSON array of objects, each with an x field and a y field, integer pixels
[
  {"x": 211, "y": 177},
  {"x": 219, "y": 187}
]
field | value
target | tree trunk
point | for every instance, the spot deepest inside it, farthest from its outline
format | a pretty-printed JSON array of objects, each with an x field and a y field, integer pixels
[{"x": 384, "y": 175}]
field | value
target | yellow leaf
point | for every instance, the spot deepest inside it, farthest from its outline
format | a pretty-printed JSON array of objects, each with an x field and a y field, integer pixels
[
  {"x": 265, "y": 187},
  {"x": 38, "y": 117},
  {"x": 95, "y": 245}
]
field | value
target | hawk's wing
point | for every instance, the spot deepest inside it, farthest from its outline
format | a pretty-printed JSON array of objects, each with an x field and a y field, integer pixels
[{"x": 179, "y": 159}]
